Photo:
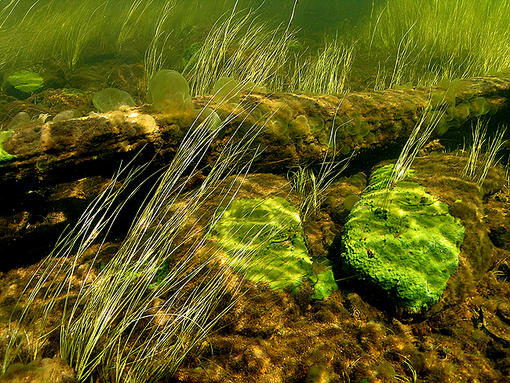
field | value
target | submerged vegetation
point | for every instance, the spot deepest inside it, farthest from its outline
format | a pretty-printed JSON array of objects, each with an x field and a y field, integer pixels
[
  {"x": 135, "y": 318},
  {"x": 433, "y": 40},
  {"x": 135, "y": 310},
  {"x": 402, "y": 42}
]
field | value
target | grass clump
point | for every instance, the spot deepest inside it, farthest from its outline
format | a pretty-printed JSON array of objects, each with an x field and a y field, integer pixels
[
  {"x": 76, "y": 32},
  {"x": 416, "y": 141},
  {"x": 135, "y": 318},
  {"x": 483, "y": 153},
  {"x": 311, "y": 184},
  {"x": 240, "y": 47},
  {"x": 327, "y": 72},
  {"x": 433, "y": 40}
]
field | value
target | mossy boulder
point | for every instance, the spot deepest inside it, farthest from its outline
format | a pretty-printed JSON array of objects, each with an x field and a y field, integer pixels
[
  {"x": 403, "y": 241},
  {"x": 269, "y": 232},
  {"x": 169, "y": 92},
  {"x": 4, "y": 136},
  {"x": 109, "y": 99},
  {"x": 23, "y": 83}
]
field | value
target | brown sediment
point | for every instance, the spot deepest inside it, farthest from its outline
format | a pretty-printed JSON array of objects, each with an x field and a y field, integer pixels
[{"x": 354, "y": 335}]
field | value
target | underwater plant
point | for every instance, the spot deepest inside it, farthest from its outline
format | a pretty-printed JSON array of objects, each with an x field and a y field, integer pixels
[
  {"x": 228, "y": 51},
  {"x": 22, "y": 84},
  {"x": 71, "y": 32},
  {"x": 475, "y": 169},
  {"x": 417, "y": 139},
  {"x": 109, "y": 99},
  {"x": 154, "y": 57},
  {"x": 310, "y": 185},
  {"x": 326, "y": 72},
  {"x": 169, "y": 91},
  {"x": 434, "y": 40},
  {"x": 135, "y": 318}
]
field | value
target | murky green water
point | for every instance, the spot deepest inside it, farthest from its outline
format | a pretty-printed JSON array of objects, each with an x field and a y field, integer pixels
[{"x": 350, "y": 44}]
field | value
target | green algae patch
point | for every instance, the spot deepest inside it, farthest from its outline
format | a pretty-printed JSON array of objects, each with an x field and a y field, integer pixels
[
  {"x": 169, "y": 92},
  {"x": 4, "y": 136},
  {"x": 403, "y": 241},
  {"x": 24, "y": 83},
  {"x": 268, "y": 232}
]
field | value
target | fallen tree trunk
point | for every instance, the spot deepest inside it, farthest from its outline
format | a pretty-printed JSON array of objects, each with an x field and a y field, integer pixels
[
  {"x": 54, "y": 170},
  {"x": 296, "y": 129}
]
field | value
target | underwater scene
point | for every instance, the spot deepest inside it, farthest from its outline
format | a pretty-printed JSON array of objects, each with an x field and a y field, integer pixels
[{"x": 249, "y": 191}]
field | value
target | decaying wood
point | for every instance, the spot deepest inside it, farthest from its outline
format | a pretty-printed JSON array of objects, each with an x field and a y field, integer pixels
[
  {"x": 59, "y": 167},
  {"x": 71, "y": 149}
]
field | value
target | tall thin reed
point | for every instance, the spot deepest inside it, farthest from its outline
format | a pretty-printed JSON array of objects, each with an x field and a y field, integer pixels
[
  {"x": 137, "y": 318},
  {"x": 326, "y": 72},
  {"x": 240, "y": 47}
]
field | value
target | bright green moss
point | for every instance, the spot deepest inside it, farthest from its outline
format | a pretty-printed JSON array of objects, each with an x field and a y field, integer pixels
[
  {"x": 25, "y": 81},
  {"x": 269, "y": 232},
  {"x": 4, "y": 136},
  {"x": 405, "y": 242}
]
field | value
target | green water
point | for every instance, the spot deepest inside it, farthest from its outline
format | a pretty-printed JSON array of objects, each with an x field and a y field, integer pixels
[{"x": 358, "y": 44}]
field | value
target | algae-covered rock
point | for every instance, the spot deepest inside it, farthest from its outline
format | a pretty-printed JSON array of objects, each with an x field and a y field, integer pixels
[
  {"x": 299, "y": 127},
  {"x": 4, "y": 136},
  {"x": 110, "y": 99},
  {"x": 169, "y": 92},
  {"x": 225, "y": 90},
  {"x": 269, "y": 231},
  {"x": 23, "y": 83},
  {"x": 403, "y": 241}
]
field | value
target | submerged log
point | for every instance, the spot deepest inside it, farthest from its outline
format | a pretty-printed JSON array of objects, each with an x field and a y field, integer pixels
[
  {"x": 51, "y": 171},
  {"x": 296, "y": 129}
]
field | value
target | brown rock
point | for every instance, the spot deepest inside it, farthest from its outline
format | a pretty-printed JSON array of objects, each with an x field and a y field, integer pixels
[{"x": 39, "y": 371}]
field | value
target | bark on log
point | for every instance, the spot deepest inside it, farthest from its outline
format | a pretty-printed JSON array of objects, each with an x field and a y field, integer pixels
[
  {"x": 59, "y": 167},
  {"x": 297, "y": 129}
]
